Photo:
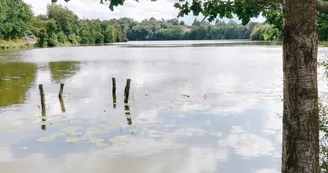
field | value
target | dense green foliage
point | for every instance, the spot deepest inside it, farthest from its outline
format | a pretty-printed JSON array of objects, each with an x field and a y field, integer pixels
[
  {"x": 15, "y": 19},
  {"x": 153, "y": 29},
  {"x": 60, "y": 26}
]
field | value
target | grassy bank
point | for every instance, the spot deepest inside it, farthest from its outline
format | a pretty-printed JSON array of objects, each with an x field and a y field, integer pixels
[
  {"x": 323, "y": 43},
  {"x": 14, "y": 44}
]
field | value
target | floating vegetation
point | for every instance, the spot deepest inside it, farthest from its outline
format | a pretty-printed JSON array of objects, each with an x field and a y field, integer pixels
[
  {"x": 88, "y": 137},
  {"x": 11, "y": 128},
  {"x": 72, "y": 130},
  {"x": 57, "y": 135},
  {"x": 73, "y": 139},
  {"x": 102, "y": 144},
  {"x": 119, "y": 139},
  {"x": 29, "y": 120},
  {"x": 47, "y": 139}
]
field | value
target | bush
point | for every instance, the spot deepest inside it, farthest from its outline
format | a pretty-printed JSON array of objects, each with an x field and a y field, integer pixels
[
  {"x": 62, "y": 38},
  {"x": 53, "y": 41},
  {"x": 259, "y": 31}
]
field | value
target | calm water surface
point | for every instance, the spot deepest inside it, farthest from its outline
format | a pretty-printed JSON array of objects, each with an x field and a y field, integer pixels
[{"x": 191, "y": 109}]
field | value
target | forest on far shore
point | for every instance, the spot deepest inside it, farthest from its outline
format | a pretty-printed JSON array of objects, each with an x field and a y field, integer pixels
[{"x": 60, "y": 26}]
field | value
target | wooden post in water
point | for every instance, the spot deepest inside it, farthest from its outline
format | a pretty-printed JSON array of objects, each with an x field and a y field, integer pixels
[
  {"x": 43, "y": 104},
  {"x": 127, "y": 91},
  {"x": 61, "y": 90},
  {"x": 60, "y": 96},
  {"x": 114, "y": 92},
  {"x": 127, "y": 114},
  {"x": 43, "y": 107}
]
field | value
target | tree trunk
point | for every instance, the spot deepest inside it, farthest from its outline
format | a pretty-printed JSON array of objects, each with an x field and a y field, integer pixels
[{"x": 300, "y": 150}]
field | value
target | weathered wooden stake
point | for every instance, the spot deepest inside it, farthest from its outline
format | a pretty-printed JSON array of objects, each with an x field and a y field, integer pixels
[
  {"x": 127, "y": 91},
  {"x": 62, "y": 105},
  {"x": 43, "y": 107},
  {"x": 114, "y": 92},
  {"x": 61, "y": 90},
  {"x": 127, "y": 114},
  {"x": 43, "y": 104}
]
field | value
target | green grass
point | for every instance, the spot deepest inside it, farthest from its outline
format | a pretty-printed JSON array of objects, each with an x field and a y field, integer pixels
[
  {"x": 14, "y": 44},
  {"x": 323, "y": 43}
]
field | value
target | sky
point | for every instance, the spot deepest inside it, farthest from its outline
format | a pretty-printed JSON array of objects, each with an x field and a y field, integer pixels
[{"x": 144, "y": 9}]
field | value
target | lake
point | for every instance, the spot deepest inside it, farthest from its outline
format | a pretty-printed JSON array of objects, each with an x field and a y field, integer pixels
[{"x": 194, "y": 107}]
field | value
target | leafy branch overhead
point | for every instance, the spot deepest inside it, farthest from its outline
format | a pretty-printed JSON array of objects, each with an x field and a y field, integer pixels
[{"x": 211, "y": 9}]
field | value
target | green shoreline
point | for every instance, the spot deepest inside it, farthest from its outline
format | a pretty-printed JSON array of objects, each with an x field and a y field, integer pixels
[{"x": 14, "y": 45}]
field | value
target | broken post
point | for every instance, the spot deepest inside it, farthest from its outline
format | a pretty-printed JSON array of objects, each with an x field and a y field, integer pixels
[
  {"x": 61, "y": 90},
  {"x": 127, "y": 91},
  {"x": 127, "y": 114},
  {"x": 114, "y": 92},
  {"x": 43, "y": 104}
]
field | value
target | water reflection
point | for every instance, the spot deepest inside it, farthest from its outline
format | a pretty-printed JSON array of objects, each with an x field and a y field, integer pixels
[
  {"x": 43, "y": 118},
  {"x": 62, "y": 104},
  {"x": 127, "y": 114},
  {"x": 15, "y": 79},
  {"x": 174, "y": 129},
  {"x": 63, "y": 70}
]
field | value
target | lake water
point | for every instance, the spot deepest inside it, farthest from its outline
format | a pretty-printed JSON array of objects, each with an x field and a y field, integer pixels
[{"x": 194, "y": 107}]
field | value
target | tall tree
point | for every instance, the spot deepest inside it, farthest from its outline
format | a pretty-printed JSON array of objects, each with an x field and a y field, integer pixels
[
  {"x": 15, "y": 19},
  {"x": 300, "y": 44}
]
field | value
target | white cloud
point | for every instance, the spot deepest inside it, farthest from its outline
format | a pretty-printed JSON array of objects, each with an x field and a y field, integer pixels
[{"x": 247, "y": 144}]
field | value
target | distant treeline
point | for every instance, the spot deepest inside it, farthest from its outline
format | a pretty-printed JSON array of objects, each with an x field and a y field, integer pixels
[{"x": 60, "y": 26}]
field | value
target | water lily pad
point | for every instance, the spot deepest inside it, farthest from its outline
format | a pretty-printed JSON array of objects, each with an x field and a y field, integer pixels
[
  {"x": 97, "y": 140},
  {"x": 73, "y": 139},
  {"x": 56, "y": 135},
  {"x": 119, "y": 139},
  {"x": 47, "y": 139},
  {"x": 71, "y": 130},
  {"x": 28, "y": 119},
  {"x": 11, "y": 128},
  {"x": 101, "y": 144},
  {"x": 88, "y": 137}
]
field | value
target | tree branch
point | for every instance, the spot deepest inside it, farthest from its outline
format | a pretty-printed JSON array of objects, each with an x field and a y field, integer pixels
[{"x": 322, "y": 6}]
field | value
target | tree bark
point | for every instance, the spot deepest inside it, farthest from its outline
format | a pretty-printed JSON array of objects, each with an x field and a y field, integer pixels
[{"x": 300, "y": 150}]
